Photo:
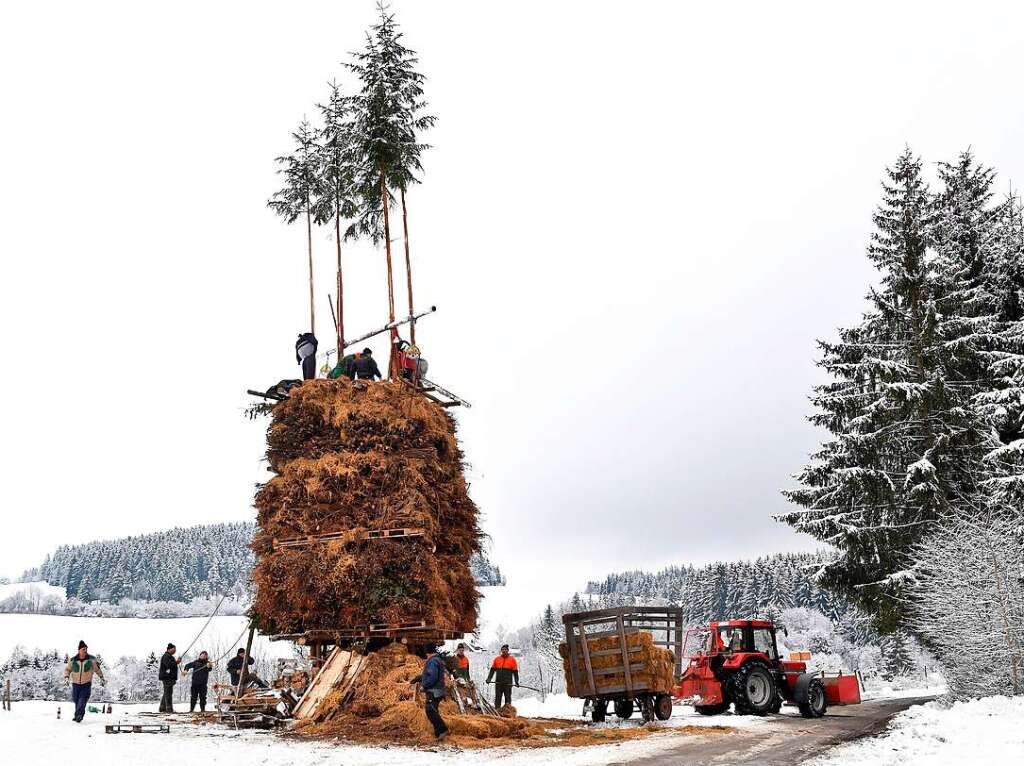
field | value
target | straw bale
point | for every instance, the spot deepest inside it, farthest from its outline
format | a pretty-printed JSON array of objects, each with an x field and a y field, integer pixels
[{"x": 658, "y": 671}]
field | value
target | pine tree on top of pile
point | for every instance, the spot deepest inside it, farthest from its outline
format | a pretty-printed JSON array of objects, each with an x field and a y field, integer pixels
[{"x": 925, "y": 407}]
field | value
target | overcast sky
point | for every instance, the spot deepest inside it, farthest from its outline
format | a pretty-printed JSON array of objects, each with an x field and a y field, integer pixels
[{"x": 635, "y": 220}]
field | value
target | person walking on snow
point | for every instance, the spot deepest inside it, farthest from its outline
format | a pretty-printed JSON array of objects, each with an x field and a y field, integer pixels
[
  {"x": 431, "y": 680},
  {"x": 168, "y": 676},
  {"x": 200, "y": 670},
  {"x": 505, "y": 671},
  {"x": 79, "y": 672}
]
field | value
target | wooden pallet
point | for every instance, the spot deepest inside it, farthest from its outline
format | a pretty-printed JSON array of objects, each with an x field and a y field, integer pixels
[
  {"x": 412, "y": 631},
  {"x": 137, "y": 728},
  {"x": 371, "y": 534}
]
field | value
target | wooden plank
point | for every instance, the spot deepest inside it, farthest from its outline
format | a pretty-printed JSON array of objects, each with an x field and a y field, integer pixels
[
  {"x": 323, "y": 682},
  {"x": 610, "y": 652},
  {"x": 625, "y": 656},
  {"x": 371, "y": 534},
  {"x": 584, "y": 641},
  {"x": 570, "y": 641}
]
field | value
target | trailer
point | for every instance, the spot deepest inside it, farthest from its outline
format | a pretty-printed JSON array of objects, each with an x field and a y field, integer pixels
[{"x": 612, "y": 628}]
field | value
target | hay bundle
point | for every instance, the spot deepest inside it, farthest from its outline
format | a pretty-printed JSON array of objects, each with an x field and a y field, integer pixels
[
  {"x": 352, "y": 457},
  {"x": 658, "y": 672}
]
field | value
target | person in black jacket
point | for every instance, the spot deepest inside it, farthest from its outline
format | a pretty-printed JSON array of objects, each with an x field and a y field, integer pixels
[
  {"x": 235, "y": 670},
  {"x": 364, "y": 367},
  {"x": 305, "y": 354},
  {"x": 200, "y": 670},
  {"x": 168, "y": 677}
]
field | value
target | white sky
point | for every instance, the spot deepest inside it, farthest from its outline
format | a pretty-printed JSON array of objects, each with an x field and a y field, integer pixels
[{"x": 635, "y": 221}]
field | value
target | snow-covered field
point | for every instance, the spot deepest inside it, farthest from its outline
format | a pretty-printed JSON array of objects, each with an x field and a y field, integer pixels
[
  {"x": 982, "y": 731},
  {"x": 41, "y": 589},
  {"x": 128, "y": 636},
  {"x": 31, "y": 732}
]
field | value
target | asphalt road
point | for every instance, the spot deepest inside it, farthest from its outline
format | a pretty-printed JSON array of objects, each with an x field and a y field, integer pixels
[{"x": 790, "y": 742}]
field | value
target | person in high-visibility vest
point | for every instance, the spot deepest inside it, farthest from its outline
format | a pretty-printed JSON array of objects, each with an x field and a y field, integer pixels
[
  {"x": 461, "y": 663},
  {"x": 505, "y": 672}
]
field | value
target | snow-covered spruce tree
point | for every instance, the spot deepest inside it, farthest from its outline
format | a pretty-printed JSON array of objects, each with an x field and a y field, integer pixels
[
  {"x": 301, "y": 188},
  {"x": 336, "y": 196},
  {"x": 968, "y": 603},
  {"x": 388, "y": 116},
  {"x": 907, "y": 445}
]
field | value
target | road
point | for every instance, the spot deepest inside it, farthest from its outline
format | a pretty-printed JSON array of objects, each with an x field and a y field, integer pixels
[{"x": 793, "y": 741}]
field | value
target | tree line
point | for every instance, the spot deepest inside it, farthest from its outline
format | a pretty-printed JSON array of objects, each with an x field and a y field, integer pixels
[
  {"x": 920, "y": 486},
  {"x": 195, "y": 565},
  {"x": 359, "y": 162}
]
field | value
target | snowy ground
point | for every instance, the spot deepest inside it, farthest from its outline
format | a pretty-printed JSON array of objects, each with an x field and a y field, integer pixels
[
  {"x": 983, "y": 731},
  {"x": 31, "y": 732},
  {"x": 128, "y": 636}
]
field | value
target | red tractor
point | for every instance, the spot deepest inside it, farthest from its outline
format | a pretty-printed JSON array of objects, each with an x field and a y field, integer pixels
[{"x": 741, "y": 666}]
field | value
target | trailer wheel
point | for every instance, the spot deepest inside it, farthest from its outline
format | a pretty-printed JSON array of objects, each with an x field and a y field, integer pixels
[
  {"x": 600, "y": 711},
  {"x": 663, "y": 707},
  {"x": 624, "y": 708},
  {"x": 718, "y": 709},
  {"x": 647, "y": 708},
  {"x": 753, "y": 689},
  {"x": 809, "y": 695}
]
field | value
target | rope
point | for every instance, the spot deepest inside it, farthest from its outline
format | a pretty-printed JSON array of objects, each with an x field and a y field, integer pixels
[
  {"x": 232, "y": 645},
  {"x": 206, "y": 624}
]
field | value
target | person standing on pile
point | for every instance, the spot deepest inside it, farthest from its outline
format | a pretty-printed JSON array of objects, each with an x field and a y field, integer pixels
[
  {"x": 235, "y": 671},
  {"x": 461, "y": 663},
  {"x": 79, "y": 672},
  {"x": 200, "y": 670},
  {"x": 364, "y": 367},
  {"x": 168, "y": 676},
  {"x": 505, "y": 672},
  {"x": 305, "y": 354},
  {"x": 431, "y": 680}
]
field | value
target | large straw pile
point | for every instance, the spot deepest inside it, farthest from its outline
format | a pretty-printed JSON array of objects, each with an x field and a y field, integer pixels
[
  {"x": 658, "y": 672},
  {"x": 384, "y": 707},
  {"x": 357, "y": 456}
]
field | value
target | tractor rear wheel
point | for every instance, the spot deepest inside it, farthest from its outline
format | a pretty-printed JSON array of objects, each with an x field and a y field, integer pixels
[
  {"x": 624, "y": 708},
  {"x": 809, "y": 695},
  {"x": 718, "y": 709},
  {"x": 753, "y": 689},
  {"x": 663, "y": 707}
]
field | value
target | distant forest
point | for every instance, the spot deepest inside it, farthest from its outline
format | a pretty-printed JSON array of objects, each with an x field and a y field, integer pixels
[{"x": 179, "y": 564}]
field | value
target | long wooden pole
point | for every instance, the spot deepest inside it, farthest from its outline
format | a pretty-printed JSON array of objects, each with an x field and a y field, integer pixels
[
  {"x": 340, "y": 298},
  {"x": 244, "y": 672},
  {"x": 408, "y": 268},
  {"x": 391, "y": 283},
  {"x": 309, "y": 243}
]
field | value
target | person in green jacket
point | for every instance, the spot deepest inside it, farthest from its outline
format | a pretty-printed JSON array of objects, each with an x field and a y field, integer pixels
[
  {"x": 79, "y": 672},
  {"x": 343, "y": 367}
]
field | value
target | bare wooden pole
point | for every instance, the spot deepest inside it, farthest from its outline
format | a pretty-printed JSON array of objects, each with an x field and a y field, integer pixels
[
  {"x": 408, "y": 267},
  {"x": 340, "y": 298},
  {"x": 309, "y": 243},
  {"x": 244, "y": 672},
  {"x": 391, "y": 282}
]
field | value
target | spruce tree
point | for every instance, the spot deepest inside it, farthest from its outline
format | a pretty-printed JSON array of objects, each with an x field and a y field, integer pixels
[
  {"x": 387, "y": 112},
  {"x": 906, "y": 443},
  {"x": 336, "y": 199},
  {"x": 300, "y": 189}
]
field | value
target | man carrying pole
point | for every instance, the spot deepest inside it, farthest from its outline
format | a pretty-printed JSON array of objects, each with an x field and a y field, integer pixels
[{"x": 505, "y": 672}]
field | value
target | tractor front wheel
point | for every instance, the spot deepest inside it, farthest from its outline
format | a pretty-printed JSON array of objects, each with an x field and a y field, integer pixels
[
  {"x": 753, "y": 690},
  {"x": 809, "y": 695},
  {"x": 600, "y": 711},
  {"x": 624, "y": 708},
  {"x": 663, "y": 707}
]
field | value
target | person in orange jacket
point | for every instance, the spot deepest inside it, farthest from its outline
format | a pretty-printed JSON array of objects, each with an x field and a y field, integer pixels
[{"x": 505, "y": 672}]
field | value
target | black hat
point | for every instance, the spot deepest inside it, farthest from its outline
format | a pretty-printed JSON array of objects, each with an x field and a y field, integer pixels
[
  {"x": 241, "y": 651},
  {"x": 171, "y": 646},
  {"x": 504, "y": 646},
  {"x": 82, "y": 645},
  {"x": 367, "y": 351}
]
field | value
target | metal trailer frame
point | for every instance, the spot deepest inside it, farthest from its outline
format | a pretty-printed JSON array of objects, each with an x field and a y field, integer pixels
[{"x": 666, "y": 626}]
